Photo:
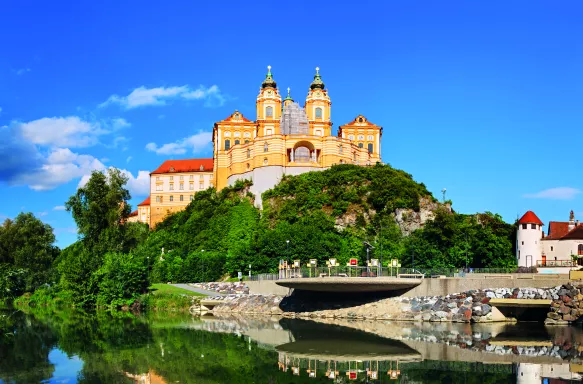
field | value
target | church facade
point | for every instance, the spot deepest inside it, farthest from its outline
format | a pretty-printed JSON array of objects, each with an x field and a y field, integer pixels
[
  {"x": 284, "y": 139},
  {"x": 288, "y": 139}
]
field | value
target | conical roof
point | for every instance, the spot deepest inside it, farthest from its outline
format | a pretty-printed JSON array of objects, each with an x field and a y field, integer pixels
[{"x": 530, "y": 218}]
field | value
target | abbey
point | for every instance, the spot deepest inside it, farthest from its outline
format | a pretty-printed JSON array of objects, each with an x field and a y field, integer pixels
[{"x": 284, "y": 139}]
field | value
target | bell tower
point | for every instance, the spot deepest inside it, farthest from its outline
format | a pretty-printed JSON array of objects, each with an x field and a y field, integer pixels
[
  {"x": 318, "y": 107},
  {"x": 268, "y": 106}
]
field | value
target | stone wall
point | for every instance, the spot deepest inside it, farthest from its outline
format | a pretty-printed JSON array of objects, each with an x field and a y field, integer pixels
[{"x": 567, "y": 305}]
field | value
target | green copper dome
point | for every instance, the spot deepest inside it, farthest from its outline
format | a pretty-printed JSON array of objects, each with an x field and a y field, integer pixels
[
  {"x": 317, "y": 83},
  {"x": 288, "y": 97},
  {"x": 268, "y": 82}
]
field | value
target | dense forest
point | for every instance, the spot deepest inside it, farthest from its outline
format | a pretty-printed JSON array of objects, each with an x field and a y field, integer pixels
[{"x": 314, "y": 215}]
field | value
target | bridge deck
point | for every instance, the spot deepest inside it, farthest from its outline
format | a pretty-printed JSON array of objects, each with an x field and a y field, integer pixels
[{"x": 350, "y": 284}]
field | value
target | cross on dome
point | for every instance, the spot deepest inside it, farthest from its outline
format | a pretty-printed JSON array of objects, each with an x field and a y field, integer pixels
[{"x": 317, "y": 69}]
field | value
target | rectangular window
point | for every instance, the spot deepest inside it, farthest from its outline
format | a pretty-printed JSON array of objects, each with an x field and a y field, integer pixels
[
  {"x": 551, "y": 248},
  {"x": 191, "y": 177},
  {"x": 157, "y": 178},
  {"x": 182, "y": 186},
  {"x": 227, "y": 145},
  {"x": 191, "y": 197},
  {"x": 523, "y": 243},
  {"x": 159, "y": 187},
  {"x": 181, "y": 177},
  {"x": 533, "y": 226},
  {"x": 191, "y": 186},
  {"x": 181, "y": 198},
  {"x": 523, "y": 226},
  {"x": 158, "y": 199},
  {"x": 171, "y": 178},
  {"x": 171, "y": 198},
  {"x": 201, "y": 185},
  {"x": 201, "y": 177},
  {"x": 211, "y": 177},
  {"x": 369, "y": 147},
  {"x": 171, "y": 187}
]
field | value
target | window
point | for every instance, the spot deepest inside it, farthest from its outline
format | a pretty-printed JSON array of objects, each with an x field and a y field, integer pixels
[
  {"x": 181, "y": 177},
  {"x": 191, "y": 186},
  {"x": 265, "y": 147},
  {"x": 269, "y": 111},
  {"x": 551, "y": 248},
  {"x": 248, "y": 153},
  {"x": 158, "y": 199},
  {"x": 248, "y": 166},
  {"x": 191, "y": 197},
  {"x": 340, "y": 149},
  {"x": 171, "y": 197},
  {"x": 171, "y": 187},
  {"x": 227, "y": 134},
  {"x": 533, "y": 226},
  {"x": 247, "y": 134},
  {"x": 580, "y": 250},
  {"x": 523, "y": 243},
  {"x": 210, "y": 177},
  {"x": 370, "y": 138},
  {"x": 360, "y": 137},
  {"x": 159, "y": 187},
  {"x": 201, "y": 185},
  {"x": 191, "y": 177},
  {"x": 201, "y": 177},
  {"x": 518, "y": 255},
  {"x": 181, "y": 197},
  {"x": 237, "y": 141},
  {"x": 360, "y": 145},
  {"x": 246, "y": 141},
  {"x": 369, "y": 147},
  {"x": 171, "y": 178},
  {"x": 523, "y": 226},
  {"x": 318, "y": 113},
  {"x": 157, "y": 178},
  {"x": 350, "y": 137},
  {"x": 181, "y": 186},
  {"x": 265, "y": 161},
  {"x": 269, "y": 132},
  {"x": 227, "y": 144},
  {"x": 354, "y": 156}
]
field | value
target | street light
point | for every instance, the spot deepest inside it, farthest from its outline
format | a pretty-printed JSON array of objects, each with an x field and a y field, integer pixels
[
  {"x": 203, "y": 268},
  {"x": 368, "y": 248}
]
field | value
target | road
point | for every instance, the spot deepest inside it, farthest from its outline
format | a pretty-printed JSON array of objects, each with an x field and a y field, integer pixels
[{"x": 198, "y": 290}]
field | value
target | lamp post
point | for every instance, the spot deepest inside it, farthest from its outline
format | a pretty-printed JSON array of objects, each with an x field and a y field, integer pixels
[
  {"x": 368, "y": 248},
  {"x": 287, "y": 258},
  {"x": 203, "y": 268}
]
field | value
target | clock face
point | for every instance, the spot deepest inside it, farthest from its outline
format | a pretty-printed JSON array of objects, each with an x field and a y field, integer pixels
[
  {"x": 269, "y": 93},
  {"x": 318, "y": 94}
]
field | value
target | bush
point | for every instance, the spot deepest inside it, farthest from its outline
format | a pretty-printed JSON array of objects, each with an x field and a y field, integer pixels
[{"x": 121, "y": 279}]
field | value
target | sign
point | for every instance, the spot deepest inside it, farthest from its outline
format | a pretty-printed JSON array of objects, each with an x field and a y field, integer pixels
[
  {"x": 296, "y": 263},
  {"x": 352, "y": 375},
  {"x": 240, "y": 275},
  {"x": 374, "y": 262},
  {"x": 394, "y": 263},
  {"x": 353, "y": 262},
  {"x": 332, "y": 262},
  {"x": 313, "y": 262}
]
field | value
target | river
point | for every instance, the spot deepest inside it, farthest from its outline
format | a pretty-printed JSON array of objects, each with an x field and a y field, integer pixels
[{"x": 67, "y": 346}]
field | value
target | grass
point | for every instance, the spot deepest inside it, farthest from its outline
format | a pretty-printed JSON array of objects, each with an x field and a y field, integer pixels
[{"x": 160, "y": 288}]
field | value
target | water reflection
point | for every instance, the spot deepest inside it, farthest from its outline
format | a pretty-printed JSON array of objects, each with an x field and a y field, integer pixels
[{"x": 120, "y": 348}]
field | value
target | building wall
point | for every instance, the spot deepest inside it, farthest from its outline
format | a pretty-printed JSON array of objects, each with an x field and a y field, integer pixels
[
  {"x": 165, "y": 192},
  {"x": 529, "y": 245},
  {"x": 561, "y": 249},
  {"x": 144, "y": 214}
]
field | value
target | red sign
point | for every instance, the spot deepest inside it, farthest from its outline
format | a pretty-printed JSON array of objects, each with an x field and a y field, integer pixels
[
  {"x": 352, "y": 375},
  {"x": 353, "y": 261}
]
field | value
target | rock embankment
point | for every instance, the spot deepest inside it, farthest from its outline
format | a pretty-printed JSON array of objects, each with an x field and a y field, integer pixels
[
  {"x": 567, "y": 305},
  {"x": 235, "y": 288}
]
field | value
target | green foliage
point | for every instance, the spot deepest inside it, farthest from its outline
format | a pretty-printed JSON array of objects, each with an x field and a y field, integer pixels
[
  {"x": 26, "y": 244},
  {"x": 121, "y": 279},
  {"x": 12, "y": 282}
]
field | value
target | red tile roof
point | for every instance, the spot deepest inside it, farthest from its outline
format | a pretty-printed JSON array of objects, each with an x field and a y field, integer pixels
[
  {"x": 145, "y": 202},
  {"x": 575, "y": 234},
  {"x": 134, "y": 213},
  {"x": 237, "y": 116},
  {"x": 530, "y": 218},
  {"x": 186, "y": 165},
  {"x": 557, "y": 229}
]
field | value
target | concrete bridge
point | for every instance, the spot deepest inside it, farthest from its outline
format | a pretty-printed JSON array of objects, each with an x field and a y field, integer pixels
[{"x": 351, "y": 284}]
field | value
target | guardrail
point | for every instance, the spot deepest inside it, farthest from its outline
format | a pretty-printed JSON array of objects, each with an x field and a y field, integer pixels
[{"x": 556, "y": 263}]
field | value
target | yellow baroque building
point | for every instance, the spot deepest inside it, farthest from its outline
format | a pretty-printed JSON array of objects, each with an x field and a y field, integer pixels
[{"x": 285, "y": 139}]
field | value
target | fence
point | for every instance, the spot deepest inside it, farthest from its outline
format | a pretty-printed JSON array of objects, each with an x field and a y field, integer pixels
[{"x": 261, "y": 277}]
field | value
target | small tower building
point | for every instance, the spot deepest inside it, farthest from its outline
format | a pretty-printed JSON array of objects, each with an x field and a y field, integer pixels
[{"x": 529, "y": 236}]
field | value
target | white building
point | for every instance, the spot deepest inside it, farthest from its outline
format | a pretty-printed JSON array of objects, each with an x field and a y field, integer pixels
[{"x": 557, "y": 248}]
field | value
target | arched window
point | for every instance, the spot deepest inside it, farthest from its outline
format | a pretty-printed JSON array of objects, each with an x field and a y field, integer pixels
[
  {"x": 237, "y": 141},
  {"x": 265, "y": 147},
  {"x": 269, "y": 112},
  {"x": 248, "y": 152},
  {"x": 227, "y": 144},
  {"x": 318, "y": 113},
  {"x": 580, "y": 250},
  {"x": 302, "y": 155},
  {"x": 369, "y": 147},
  {"x": 360, "y": 145},
  {"x": 265, "y": 161}
]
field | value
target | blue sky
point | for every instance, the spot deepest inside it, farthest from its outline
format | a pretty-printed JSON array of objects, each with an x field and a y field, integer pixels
[{"x": 482, "y": 98}]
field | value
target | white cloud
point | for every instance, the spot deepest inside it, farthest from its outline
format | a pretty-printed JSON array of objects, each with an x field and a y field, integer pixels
[
  {"x": 59, "y": 167},
  {"x": 59, "y": 208},
  {"x": 128, "y": 159},
  {"x": 22, "y": 71},
  {"x": 195, "y": 142},
  {"x": 138, "y": 185},
  {"x": 560, "y": 193},
  {"x": 68, "y": 131},
  {"x": 143, "y": 96},
  {"x": 41, "y": 214}
]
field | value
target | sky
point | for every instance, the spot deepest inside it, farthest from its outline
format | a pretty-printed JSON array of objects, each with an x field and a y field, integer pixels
[{"x": 482, "y": 98}]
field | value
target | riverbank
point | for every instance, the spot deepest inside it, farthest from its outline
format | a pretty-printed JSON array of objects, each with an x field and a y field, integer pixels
[{"x": 566, "y": 306}]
